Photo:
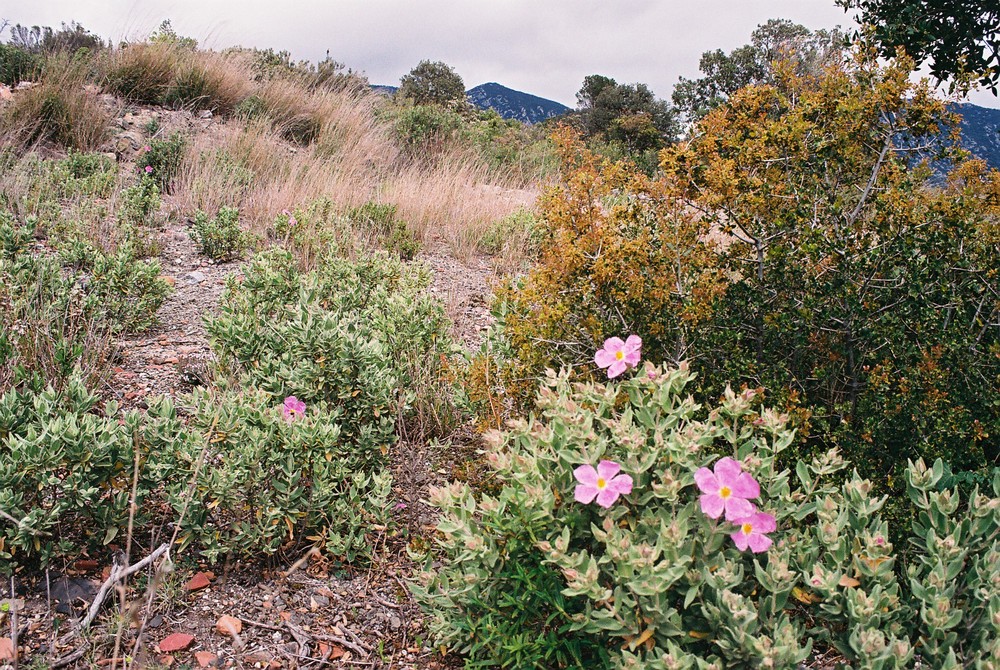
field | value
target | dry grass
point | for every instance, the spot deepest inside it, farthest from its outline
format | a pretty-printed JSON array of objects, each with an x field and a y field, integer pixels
[
  {"x": 206, "y": 80},
  {"x": 60, "y": 109},
  {"x": 140, "y": 73}
]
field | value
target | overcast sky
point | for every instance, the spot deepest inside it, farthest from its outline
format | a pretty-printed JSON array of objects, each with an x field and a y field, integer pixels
[{"x": 544, "y": 47}]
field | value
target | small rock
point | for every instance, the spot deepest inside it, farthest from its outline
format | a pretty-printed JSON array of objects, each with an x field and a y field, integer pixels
[
  {"x": 198, "y": 582},
  {"x": 197, "y": 276},
  {"x": 205, "y": 658},
  {"x": 6, "y": 649},
  {"x": 394, "y": 622},
  {"x": 319, "y": 601},
  {"x": 176, "y": 642},
  {"x": 228, "y": 625}
]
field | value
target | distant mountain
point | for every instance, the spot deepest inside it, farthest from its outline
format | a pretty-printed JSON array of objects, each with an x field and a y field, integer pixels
[
  {"x": 980, "y": 131},
  {"x": 511, "y": 104}
]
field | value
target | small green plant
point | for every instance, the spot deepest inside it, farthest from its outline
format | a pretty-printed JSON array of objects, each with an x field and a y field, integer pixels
[
  {"x": 520, "y": 230},
  {"x": 128, "y": 289},
  {"x": 17, "y": 64},
  {"x": 380, "y": 219},
  {"x": 161, "y": 159},
  {"x": 140, "y": 203},
  {"x": 220, "y": 238}
]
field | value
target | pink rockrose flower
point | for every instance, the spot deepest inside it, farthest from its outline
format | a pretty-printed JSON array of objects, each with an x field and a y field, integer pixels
[
  {"x": 149, "y": 169},
  {"x": 147, "y": 148},
  {"x": 292, "y": 409},
  {"x": 603, "y": 483},
  {"x": 752, "y": 532},
  {"x": 291, "y": 217},
  {"x": 618, "y": 356},
  {"x": 727, "y": 489}
]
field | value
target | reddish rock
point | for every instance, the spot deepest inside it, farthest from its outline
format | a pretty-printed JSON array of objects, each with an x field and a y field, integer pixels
[
  {"x": 176, "y": 642},
  {"x": 6, "y": 649},
  {"x": 228, "y": 625},
  {"x": 206, "y": 659},
  {"x": 198, "y": 582}
]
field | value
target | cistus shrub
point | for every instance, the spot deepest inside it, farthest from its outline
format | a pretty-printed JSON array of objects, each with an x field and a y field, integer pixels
[
  {"x": 65, "y": 474},
  {"x": 220, "y": 238},
  {"x": 164, "y": 158},
  {"x": 656, "y": 575},
  {"x": 357, "y": 335},
  {"x": 268, "y": 482}
]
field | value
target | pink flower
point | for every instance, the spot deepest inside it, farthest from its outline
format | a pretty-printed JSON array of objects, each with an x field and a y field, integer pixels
[
  {"x": 292, "y": 409},
  {"x": 604, "y": 483},
  {"x": 751, "y": 533},
  {"x": 149, "y": 169},
  {"x": 728, "y": 488},
  {"x": 617, "y": 356},
  {"x": 147, "y": 148},
  {"x": 291, "y": 217}
]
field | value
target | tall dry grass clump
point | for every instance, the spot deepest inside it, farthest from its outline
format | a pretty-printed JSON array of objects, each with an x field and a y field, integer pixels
[
  {"x": 60, "y": 109},
  {"x": 208, "y": 80},
  {"x": 140, "y": 73}
]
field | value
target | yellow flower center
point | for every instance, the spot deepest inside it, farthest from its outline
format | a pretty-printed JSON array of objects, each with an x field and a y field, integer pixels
[
  {"x": 601, "y": 483},
  {"x": 725, "y": 492},
  {"x": 747, "y": 528},
  {"x": 619, "y": 355}
]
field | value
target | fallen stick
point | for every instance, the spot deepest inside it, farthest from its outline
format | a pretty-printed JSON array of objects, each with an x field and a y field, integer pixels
[{"x": 118, "y": 573}]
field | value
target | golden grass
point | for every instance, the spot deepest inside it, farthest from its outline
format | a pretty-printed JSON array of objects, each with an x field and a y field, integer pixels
[{"x": 59, "y": 109}]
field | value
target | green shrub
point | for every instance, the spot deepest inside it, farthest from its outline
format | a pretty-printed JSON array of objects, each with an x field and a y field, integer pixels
[
  {"x": 358, "y": 335},
  {"x": 221, "y": 237},
  {"x": 520, "y": 230},
  {"x": 65, "y": 474},
  {"x": 129, "y": 290},
  {"x": 269, "y": 484},
  {"x": 529, "y": 577},
  {"x": 140, "y": 203},
  {"x": 379, "y": 219},
  {"x": 164, "y": 157},
  {"x": 17, "y": 65},
  {"x": 423, "y": 128}
]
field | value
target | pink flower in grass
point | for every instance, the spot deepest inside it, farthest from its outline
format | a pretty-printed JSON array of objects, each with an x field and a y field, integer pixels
[
  {"x": 752, "y": 532},
  {"x": 727, "y": 488},
  {"x": 147, "y": 148},
  {"x": 603, "y": 483},
  {"x": 292, "y": 409},
  {"x": 291, "y": 217},
  {"x": 618, "y": 356},
  {"x": 149, "y": 169}
]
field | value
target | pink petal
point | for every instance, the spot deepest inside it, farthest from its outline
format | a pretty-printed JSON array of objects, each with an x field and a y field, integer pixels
[
  {"x": 727, "y": 470},
  {"x": 633, "y": 343},
  {"x": 585, "y": 493},
  {"x": 586, "y": 474},
  {"x": 613, "y": 344},
  {"x": 616, "y": 369},
  {"x": 738, "y": 508},
  {"x": 745, "y": 486},
  {"x": 706, "y": 481},
  {"x": 758, "y": 542},
  {"x": 622, "y": 484},
  {"x": 711, "y": 505},
  {"x": 764, "y": 523},
  {"x": 604, "y": 358},
  {"x": 607, "y": 469},
  {"x": 607, "y": 497},
  {"x": 632, "y": 358},
  {"x": 741, "y": 540}
]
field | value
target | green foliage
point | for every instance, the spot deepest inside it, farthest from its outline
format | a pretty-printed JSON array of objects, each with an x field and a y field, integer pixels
[
  {"x": 164, "y": 156},
  {"x": 628, "y": 114},
  {"x": 752, "y": 64},
  {"x": 432, "y": 83},
  {"x": 268, "y": 484},
  {"x": 380, "y": 219},
  {"x": 652, "y": 582},
  {"x": 140, "y": 203},
  {"x": 958, "y": 40},
  {"x": 17, "y": 65},
  {"x": 422, "y": 129},
  {"x": 65, "y": 474},
  {"x": 129, "y": 290},
  {"x": 70, "y": 38},
  {"x": 521, "y": 229},
  {"x": 788, "y": 245},
  {"x": 166, "y": 34},
  {"x": 220, "y": 238}
]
